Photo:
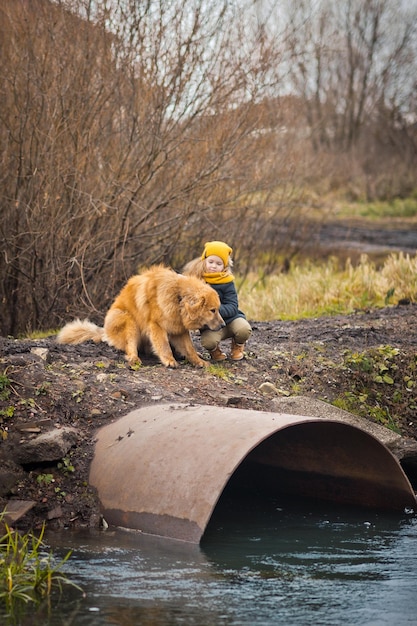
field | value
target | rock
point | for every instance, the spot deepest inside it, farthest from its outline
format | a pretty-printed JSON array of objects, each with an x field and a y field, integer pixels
[
  {"x": 43, "y": 353},
  {"x": 268, "y": 388},
  {"x": 10, "y": 474},
  {"x": 55, "y": 513},
  {"x": 50, "y": 446},
  {"x": 15, "y": 509}
]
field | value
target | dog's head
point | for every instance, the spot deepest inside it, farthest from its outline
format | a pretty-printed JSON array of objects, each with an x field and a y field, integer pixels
[{"x": 200, "y": 307}]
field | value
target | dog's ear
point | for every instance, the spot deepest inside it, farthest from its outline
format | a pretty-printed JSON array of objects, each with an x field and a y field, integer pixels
[{"x": 193, "y": 306}]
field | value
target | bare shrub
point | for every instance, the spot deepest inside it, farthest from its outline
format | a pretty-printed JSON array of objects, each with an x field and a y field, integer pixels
[{"x": 124, "y": 144}]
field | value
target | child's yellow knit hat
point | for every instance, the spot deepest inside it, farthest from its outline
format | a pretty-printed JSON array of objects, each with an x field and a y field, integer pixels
[{"x": 218, "y": 248}]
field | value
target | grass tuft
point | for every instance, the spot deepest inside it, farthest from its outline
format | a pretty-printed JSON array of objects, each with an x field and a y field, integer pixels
[{"x": 28, "y": 573}]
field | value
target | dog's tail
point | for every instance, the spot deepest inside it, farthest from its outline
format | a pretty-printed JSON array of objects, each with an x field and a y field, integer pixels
[{"x": 79, "y": 331}]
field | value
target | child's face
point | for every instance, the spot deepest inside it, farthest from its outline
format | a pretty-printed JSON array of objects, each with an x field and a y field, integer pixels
[{"x": 214, "y": 264}]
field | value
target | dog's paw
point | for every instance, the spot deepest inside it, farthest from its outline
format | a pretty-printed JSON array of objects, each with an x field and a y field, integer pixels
[
  {"x": 202, "y": 363},
  {"x": 171, "y": 363},
  {"x": 134, "y": 361}
]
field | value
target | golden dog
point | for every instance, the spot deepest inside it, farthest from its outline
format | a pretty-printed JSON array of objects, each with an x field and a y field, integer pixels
[{"x": 155, "y": 309}]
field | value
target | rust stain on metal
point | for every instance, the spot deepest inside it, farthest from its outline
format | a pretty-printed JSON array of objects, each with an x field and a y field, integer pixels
[{"x": 162, "y": 469}]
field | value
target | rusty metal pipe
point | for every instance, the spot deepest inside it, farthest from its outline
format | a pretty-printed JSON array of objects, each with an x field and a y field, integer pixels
[{"x": 161, "y": 469}]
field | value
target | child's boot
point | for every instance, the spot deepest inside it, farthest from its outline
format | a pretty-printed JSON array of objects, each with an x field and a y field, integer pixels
[
  {"x": 217, "y": 354},
  {"x": 236, "y": 353}
]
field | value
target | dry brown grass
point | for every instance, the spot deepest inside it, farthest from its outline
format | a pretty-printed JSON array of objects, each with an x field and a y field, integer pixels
[{"x": 313, "y": 290}]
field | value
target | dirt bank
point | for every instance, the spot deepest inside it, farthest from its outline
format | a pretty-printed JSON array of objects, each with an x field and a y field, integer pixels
[{"x": 367, "y": 359}]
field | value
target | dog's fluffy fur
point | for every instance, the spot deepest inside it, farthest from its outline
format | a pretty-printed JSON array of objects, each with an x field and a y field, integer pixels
[{"x": 156, "y": 309}]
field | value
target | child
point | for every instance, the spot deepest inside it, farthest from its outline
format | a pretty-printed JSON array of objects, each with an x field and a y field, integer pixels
[{"x": 214, "y": 267}]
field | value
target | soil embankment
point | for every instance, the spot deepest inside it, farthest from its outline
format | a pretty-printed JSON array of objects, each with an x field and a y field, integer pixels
[{"x": 77, "y": 389}]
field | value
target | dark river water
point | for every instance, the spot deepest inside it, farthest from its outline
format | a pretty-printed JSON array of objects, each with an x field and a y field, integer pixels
[{"x": 275, "y": 562}]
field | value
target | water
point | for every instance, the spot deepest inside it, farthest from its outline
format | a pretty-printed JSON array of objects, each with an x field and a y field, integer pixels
[{"x": 275, "y": 562}]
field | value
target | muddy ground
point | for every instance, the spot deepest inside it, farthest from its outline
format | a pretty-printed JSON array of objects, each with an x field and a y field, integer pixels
[{"x": 89, "y": 385}]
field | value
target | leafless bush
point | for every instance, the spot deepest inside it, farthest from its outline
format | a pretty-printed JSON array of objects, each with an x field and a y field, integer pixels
[{"x": 123, "y": 144}]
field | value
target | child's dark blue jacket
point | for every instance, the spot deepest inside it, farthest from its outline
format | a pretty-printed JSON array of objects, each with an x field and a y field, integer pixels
[{"x": 229, "y": 307}]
